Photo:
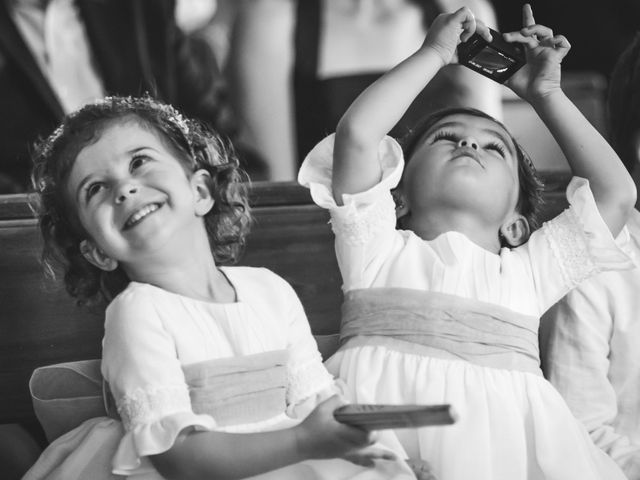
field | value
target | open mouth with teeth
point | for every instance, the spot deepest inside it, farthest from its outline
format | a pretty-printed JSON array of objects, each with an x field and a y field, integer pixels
[{"x": 139, "y": 215}]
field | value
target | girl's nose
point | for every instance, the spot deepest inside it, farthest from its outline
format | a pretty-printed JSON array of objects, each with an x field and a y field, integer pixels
[
  {"x": 125, "y": 191},
  {"x": 468, "y": 142}
]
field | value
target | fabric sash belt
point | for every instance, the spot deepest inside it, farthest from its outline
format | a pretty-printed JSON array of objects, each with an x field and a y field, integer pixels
[
  {"x": 239, "y": 390},
  {"x": 440, "y": 325},
  {"x": 236, "y": 390}
]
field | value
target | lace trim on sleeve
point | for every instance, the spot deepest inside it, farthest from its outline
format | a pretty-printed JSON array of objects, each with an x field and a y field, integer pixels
[
  {"x": 567, "y": 240},
  {"x": 358, "y": 226},
  {"x": 144, "y": 406},
  {"x": 306, "y": 380}
]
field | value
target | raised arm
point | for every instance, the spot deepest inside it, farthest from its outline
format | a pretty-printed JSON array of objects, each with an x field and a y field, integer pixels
[
  {"x": 588, "y": 153},
  {"x": 376, "y": 110}
]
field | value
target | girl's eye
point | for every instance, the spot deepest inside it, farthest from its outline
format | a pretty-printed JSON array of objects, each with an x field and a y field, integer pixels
[
  {"x": 496, "y": 147},
  {"x": 93, "y": 189},
  {"x": 137, "y": 161},
  {"x": 444, "y": 136}
]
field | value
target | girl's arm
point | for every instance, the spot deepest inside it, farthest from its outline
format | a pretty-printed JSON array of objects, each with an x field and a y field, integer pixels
[
  {"x": 591, "y": 157},
  {"x": 588, "y": 154},
  {"x": 197, "y": 455},
  {"x": 376, "y": 110}
]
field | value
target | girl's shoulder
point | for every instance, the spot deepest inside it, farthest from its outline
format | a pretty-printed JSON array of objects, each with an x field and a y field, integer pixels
[
  {"x": 134, "y": 292},
  {"x": 136, "y": 299},
  {"x": 264, "y": 289},
  {"x": 136, "y": 310}
]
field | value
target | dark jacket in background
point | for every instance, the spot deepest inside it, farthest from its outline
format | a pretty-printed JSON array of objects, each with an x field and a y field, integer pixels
[{"x": 137, "y": 48}]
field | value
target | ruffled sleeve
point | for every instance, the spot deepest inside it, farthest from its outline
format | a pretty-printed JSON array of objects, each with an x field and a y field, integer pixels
[
  {"x": 576, "y": 245},
  {"x": 147, "y": 381},
  {"x": 364, "y": 225},
  {"x": 317, "y": 168}
]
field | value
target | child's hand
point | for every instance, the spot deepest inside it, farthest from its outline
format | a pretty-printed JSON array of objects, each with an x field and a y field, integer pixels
[
  {"x": 421, "y": 469},
  {"x": 449, "y": 29},
  {"x": 366, "y": 456},
  {"x": 320, "y": 435},
  {"x": 545, "y": 51}
]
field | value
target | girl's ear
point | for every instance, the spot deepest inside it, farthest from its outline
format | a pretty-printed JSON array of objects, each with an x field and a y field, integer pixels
[
  {"x": 97, "y": 257},
  {"x": 402, "y": 205},
  {"x": 200, "y": 180},
  {"x": 515, "y": 230}
]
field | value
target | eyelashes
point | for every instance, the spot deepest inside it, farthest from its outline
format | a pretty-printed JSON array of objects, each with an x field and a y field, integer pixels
[
  {"x": 137, "y": 161},
  {"x": 444, "y": 135},
  {"x": 92, "y": 189},
  {"x": 497, "y": 147},
  {"x": 450, "y": 136}
]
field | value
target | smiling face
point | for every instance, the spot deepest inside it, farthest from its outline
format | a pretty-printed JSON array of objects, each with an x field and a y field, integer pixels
[
  {"x": 465, "y": 163},
  {"x": 132, "y": 195}
]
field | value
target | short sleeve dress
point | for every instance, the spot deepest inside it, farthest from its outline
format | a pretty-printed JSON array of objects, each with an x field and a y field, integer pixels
[
  {"x": 512, "y": 422},
  {"x": 173, "y": 363}
]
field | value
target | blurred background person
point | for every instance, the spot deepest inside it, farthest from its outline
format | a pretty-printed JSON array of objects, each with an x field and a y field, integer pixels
[
  {"x": 56, "y": 55},
  {"x": 295, "y": 67},
  {"x": 590, "y": 346}
]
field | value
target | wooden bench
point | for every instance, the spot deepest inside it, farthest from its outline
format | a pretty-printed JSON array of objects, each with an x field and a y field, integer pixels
[{"x": 40, "y": 324}]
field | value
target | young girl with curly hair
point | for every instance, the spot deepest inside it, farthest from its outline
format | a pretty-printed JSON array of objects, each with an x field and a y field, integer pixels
[{"x": 213, "y": 369}]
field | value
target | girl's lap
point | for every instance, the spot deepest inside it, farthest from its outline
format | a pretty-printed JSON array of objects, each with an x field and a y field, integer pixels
[{"x": 510, "y": 424}]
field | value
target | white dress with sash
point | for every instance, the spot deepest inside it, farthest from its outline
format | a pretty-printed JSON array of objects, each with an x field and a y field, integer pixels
[
  {"x": 173, "y": 362},
  {"x": 513, "y": 424}
]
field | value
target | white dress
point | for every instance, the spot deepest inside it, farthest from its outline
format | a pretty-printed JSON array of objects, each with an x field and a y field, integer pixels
[
  {"x": 513, "y": 425},
  {"x": 153, "y": 337},
  {"x": 592, "y": 357}
]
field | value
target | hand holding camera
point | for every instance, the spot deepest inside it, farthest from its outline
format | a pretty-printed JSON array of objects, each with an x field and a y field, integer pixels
[
  {"x": 449, "y": 29},
  {"x": 540, "y": 76},
  {"x": 527, "y": 61}
]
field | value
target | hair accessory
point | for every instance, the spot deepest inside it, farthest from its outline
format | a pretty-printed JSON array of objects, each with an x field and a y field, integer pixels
[
  {"x": 176, "y": 118},
  {"x": 169, "y": 112},
  {"x": 52, "y": 139}
]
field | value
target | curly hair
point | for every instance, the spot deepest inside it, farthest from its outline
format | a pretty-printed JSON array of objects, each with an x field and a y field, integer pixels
[
  {"x": 195, "y": 145},
  {"x": 531, "y": 187},
  {"x": 624, "y": 103}
]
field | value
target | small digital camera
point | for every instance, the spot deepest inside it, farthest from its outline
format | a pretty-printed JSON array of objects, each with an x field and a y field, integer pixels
[{"x": 497, "y": 59}]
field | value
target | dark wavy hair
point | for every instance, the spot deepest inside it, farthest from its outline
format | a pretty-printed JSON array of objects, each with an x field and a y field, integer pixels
[
  {"x": 193, "y": 143},
  {"x": 624, "y": 103},
  {"x": 531, "y": 186}
]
